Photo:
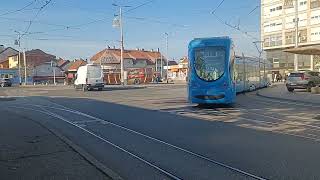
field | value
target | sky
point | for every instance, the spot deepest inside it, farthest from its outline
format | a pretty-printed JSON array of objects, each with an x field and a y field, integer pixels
[{"x": 80, "y": 28}]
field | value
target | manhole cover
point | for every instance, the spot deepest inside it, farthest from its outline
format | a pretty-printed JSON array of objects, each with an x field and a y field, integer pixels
[{"x": 7, "y": 99}]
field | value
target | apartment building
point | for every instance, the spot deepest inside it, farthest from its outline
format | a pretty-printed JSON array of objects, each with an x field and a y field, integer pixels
[{"x": 278, "y": 32}]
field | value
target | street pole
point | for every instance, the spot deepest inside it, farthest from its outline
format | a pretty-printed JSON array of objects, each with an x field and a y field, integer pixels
[
  {"x": 54, "y": 73},
  {"x": 296, "y": 62},
  {"x": 19, "y": 62},
  {"x": 121, "y": 39},
  {"x": 167, "y": 49},
  {"x": 19, "y": 55},
  {"x": 25, "y": 67},
  {"x": 161, "y": 58},
  {"x": 157, "y": 65},
  {"x": 260, "y": 54},
  {"x": 244, "y": 73}
]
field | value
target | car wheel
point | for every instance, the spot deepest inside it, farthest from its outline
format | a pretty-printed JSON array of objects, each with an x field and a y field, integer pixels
[
  {"x": 84, "y": 88},
  {"x": 310, "y": 85},
  {"x": 290, "y": 89},
  {"x": 136, "y": 82},
  {"x": 252, "y": 87}
]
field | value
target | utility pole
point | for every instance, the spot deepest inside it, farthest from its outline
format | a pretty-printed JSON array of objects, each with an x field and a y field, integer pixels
[
  {"x": 18, "y": 42},
  {"x": 260, "y": 51},
  {"x": 161, "y": 61},
  {"x": 25, "y": 67},
  {"x": 121, "y": 41},
  {"x": 296, "y": 62},
  {"x": 54, "y": 72},
  {"x": 167, "y": 49}
]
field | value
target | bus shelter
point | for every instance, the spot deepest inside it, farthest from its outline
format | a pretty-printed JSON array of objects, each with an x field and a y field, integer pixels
[{"x": 313, "y": 51}]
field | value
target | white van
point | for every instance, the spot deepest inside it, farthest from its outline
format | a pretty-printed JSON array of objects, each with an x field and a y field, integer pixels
[{"x": 89, "y": 77}]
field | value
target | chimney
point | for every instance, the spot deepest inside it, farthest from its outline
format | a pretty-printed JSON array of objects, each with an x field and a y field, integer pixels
[
  {"x": 108, "y": 47},
  {"x": 142, "y": 49},
  {"x": 1, "y": 47},
  {"x": 151, "y": 50},
  {"x": 158, "y": 49},
  {"x": 114, "y": 47}
]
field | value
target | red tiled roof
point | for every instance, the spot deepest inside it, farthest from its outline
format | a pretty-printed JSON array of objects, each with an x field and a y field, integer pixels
[
  {"x": 36, "y": 57},
  {"x": 76, "y": 64},
  {"x": 136, "y": 54},
  {"x": 61, "y": 62},
  {"x": 172, "y": 63},
  {"x": 128, "y": 54},
  {"x": 184, "y": 60},
  {"x": 113, "y": 52}
]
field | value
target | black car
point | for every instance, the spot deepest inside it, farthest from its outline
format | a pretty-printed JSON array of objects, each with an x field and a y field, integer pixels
[{"x": 5, "y": 82}]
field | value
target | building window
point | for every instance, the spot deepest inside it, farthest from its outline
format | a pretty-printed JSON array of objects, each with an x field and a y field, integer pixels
[
  {"x": 290, "y": 37},
  {"x": 267, "y": 42},
  {"x": 288, "y": 4},
  {"x": 315, "y": 4},
  {"x": 303, "y": 36},
  {"x": 303, "y": 3}
]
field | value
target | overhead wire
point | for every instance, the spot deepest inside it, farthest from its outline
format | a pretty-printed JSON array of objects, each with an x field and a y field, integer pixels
[
  {"x": 90, "y": 22},
  {"x": 36, "y": 15},
  {"x": 237, "y": 28},
  {"x": 20, "y": 9},
  {"x": 156, "y": 21}
]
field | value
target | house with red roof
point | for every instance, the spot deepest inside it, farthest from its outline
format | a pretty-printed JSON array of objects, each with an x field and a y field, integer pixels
[
  {"x": 140, "y": 65},
  {"x": 110, "y": 59},
  {"x": 178, "y": 71}
]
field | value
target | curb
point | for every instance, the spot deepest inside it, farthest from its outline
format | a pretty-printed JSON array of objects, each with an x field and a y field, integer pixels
[
  {"x": 105, "y": 170},
  {"x": 290, "y": 100},
  {"x": 89, "y": 158}
]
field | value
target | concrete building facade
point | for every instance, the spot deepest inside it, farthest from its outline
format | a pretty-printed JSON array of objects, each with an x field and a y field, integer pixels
[{"x": 278, "y": 25}]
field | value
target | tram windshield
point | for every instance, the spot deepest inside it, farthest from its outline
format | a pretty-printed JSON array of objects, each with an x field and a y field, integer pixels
[{"x": 210, "y": 63}]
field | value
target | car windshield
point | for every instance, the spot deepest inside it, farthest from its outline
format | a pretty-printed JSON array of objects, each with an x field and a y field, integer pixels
[
  {"x": 296, "y": 75},
  {"x": 210, "y": 63},
  {"x": 94, "y": 71}
]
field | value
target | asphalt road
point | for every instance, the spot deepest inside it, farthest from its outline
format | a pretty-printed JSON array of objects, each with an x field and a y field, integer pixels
[{"x": 153, "y": 133}]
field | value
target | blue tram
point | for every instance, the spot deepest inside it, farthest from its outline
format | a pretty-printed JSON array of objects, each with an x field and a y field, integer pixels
[
  {"x": 211, "y": 71},
  {"x": 216, "y": 74}
]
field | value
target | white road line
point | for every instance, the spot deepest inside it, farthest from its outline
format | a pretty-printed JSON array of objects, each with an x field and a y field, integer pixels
[
  {"x": 80, "y": 122},
  {"x": 160, "y": 141},
  {"x": 104, "y": 140}
]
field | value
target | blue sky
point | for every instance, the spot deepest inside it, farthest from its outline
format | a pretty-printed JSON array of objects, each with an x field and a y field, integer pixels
[{"x": 144, "y": 27}]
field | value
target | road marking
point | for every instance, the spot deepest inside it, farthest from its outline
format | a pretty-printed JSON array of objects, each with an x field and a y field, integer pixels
[
  {"x": 158, "y": 140},
  {"x": 104, "y": 140}
]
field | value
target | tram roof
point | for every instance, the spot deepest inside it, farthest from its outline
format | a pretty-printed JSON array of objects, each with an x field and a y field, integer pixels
[{"x": 311, "y": 50}]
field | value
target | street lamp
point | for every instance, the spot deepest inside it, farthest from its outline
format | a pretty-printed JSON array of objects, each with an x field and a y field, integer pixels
[
  {"x": 18, "y": 42},
  {"x": 120, "y": 24},
  {"x": 167, "y": 52},
  {"x": 260, "y": 51}
]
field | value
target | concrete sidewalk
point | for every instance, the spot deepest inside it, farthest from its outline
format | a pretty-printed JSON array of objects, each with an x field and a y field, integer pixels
[
  {"x": 30, "y": 151},
  {"x": 279, "y": 91}
]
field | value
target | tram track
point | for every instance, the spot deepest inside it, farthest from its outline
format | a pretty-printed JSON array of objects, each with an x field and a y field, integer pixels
[{"x": 167, "y": 173}]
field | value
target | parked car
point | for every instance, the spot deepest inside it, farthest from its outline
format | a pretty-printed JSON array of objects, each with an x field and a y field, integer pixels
[
  {"x": 5, "y": 82},
  {"x": 303, "y": 80}
]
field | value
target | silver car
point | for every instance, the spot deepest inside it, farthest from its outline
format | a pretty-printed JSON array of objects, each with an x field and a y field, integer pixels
[{"x": 303, "y": 80}]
